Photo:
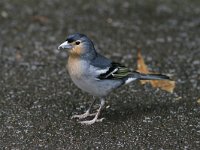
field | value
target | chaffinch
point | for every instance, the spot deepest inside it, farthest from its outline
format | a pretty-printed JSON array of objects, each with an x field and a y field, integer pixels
[{"x": 96, "y": 74}]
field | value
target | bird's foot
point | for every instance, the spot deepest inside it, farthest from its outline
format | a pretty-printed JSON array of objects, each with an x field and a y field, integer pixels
[
  {"x": 87, "y": 113},
  {"x": 82, "y": 116},
  {"x": 90, "y": 122}
]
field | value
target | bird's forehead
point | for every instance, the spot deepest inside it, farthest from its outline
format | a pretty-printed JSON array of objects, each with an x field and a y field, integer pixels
[{"x": 74, "y": 37}]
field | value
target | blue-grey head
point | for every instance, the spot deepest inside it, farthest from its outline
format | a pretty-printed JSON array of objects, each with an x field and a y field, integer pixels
[{"x": 79, "y": 44}]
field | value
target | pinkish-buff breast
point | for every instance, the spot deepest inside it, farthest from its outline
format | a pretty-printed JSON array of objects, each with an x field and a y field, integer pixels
[{"x": 76, "y": 67}]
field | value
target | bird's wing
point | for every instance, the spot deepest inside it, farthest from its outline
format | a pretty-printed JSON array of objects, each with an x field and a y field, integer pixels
[
  {"x": 106, "y": 69},
  {"x": 114, "y": 71}
]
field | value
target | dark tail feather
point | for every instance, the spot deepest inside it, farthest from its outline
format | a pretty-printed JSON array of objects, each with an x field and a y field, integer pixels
[
  {"x": 140, "y": 76},
  {"x": 153, "y": 77}
]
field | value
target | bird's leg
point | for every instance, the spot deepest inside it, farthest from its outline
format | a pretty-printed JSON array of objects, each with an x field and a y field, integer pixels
[
  {"x": 95, "y": 119},
  {"x": 87, "y": 113}
]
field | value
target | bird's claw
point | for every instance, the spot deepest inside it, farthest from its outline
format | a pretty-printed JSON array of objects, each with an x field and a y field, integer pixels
[
  {"x": 82, "y": 116},
  {"x": 90, "y": 122}
]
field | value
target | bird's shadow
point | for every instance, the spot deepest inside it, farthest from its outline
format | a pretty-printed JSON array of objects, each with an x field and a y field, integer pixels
[
  {"x": 136, "y": 111},
  {"x": 136, "y": 107}
]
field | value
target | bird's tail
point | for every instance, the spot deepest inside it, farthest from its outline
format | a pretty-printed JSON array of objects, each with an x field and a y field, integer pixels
[
  {"x": 141, "y": 76},
  {"x": 152, "y": 77}
]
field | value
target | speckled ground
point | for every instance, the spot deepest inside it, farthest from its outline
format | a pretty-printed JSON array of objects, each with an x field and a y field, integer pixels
[{"x": 37, "y": 96}]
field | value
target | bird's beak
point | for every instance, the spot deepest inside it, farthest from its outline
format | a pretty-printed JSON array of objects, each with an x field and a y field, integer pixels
[{"x": 65, "y": 45}]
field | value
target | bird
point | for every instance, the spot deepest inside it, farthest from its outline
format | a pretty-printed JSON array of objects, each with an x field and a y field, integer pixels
[{"x": 95, "y": 74}]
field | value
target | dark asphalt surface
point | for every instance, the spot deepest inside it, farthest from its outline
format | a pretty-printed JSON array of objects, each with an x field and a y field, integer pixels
[{"x": 37, "y": 96}]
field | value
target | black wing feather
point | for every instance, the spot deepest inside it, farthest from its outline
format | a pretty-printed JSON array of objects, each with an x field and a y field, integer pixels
[{"x": 116, "y": 71}]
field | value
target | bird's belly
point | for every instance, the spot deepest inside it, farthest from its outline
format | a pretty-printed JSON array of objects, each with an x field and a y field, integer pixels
[
  {"x": 96, "y": 87},
  {"x": 89, "y": 86}
]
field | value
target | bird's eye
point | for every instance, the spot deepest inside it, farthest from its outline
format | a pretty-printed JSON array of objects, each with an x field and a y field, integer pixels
[{"x": 77, "y": 42}]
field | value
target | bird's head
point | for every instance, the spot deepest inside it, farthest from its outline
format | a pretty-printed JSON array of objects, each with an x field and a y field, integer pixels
[{"x": 78, "y": 44}]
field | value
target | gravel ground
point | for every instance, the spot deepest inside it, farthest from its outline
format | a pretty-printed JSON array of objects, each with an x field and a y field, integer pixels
[{"x": 37, "y": 96}]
